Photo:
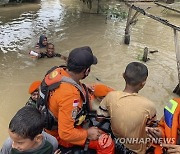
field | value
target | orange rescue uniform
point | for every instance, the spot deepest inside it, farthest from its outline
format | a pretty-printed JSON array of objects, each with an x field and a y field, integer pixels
[
  {"x": 170, "y": 123},
  {"x": 61, "y": 105}
]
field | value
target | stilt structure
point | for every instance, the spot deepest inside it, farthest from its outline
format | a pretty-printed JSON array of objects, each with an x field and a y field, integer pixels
[{"x": 163, "y": 21}]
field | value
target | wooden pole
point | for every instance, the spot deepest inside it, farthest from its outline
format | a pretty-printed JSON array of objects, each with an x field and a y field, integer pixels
[
  {"x": 133, "y": 19},
  {"x": 98, "y": 6},
  {"x": 163, "y": 21},
  {"x": 167, "y": 7},
  {"x": 177, "y": 49},
  {"x": 127, "y": 35},
  {"x": 176, "y": 42}
]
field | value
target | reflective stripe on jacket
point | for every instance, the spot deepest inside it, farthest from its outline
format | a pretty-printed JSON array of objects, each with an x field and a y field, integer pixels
[{"x": 169, "y": 124}]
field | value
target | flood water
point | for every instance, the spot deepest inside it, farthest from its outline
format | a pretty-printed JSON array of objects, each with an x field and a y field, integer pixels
[{"x": 65, "y": 24}]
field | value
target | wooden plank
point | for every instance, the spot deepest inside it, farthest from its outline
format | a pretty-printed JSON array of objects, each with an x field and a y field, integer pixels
[{"x": 167, "y": 7}]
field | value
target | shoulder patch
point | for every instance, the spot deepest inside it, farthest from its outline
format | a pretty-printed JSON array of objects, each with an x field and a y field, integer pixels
[{"x": 53, "y": 74}]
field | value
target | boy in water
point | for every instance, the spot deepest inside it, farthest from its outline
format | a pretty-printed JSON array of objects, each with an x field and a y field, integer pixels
[
  {"x": 50, "y": 52},
  {"x": 34, "y": 91},
  {"x": 26, "y": 134}
]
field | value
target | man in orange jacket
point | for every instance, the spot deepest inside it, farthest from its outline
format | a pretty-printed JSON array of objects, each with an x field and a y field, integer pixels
[
  {"x": 66, "y": 104},
  {"x": 97, "y": 93},
  {"x": 167, "y": 133}
]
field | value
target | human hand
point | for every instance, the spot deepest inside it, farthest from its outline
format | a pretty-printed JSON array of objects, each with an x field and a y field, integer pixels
[
  {"x": 171, "y": 148},
  {"x": 64, "y": 57},
  {"x": 57, "y": 151},
  {"x": 93, "y": 133},
  {"x": 154, "y": 133},
  {"x": 90, "y": 88}
]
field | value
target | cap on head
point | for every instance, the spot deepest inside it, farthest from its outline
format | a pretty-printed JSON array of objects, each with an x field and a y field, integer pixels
[
  {"x": 101, "y": 90},
  {"x": 34, "y": 86},
  {"x": 81, "y": 58}
]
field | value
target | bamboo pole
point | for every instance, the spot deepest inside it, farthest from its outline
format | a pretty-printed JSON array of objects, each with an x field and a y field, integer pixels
[
  {"x": 163, "y": 21},
  {"x": 167, "y": 7},
  {"x": 134, "y": 17},
  {"x": 176, "y": 42}
]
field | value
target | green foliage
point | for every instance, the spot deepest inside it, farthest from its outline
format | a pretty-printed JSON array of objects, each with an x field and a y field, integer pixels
[{"x": 115, "y": 12}]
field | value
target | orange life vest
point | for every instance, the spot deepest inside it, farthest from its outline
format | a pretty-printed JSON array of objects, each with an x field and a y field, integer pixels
[{"x": 170, "y": 123}]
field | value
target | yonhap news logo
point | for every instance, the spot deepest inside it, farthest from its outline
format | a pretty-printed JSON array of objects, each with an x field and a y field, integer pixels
[
  {"x": 105, "y": 140},
  {"x": 144, "y": 140}
]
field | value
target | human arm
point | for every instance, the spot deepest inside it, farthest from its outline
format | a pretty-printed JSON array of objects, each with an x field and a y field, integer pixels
[
  {"x": 66, "y": 129},
  {"x": 41, "y": 55},
  {"x": 156, "y": 132},
  {"x": 171, "y": 149},
  {"x": 102, "y": 112},
  {"x": 37, "y": 46},
  {"x": 61, "y": 56}
]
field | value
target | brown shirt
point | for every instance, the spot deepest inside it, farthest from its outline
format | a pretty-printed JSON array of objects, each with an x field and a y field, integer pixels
[{"x": 128, "y": 114}]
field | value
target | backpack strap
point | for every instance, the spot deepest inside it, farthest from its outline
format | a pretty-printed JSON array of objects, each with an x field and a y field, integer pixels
[
  {"x": 71, "y": 81},
  {"x": 86, "y": 105}
]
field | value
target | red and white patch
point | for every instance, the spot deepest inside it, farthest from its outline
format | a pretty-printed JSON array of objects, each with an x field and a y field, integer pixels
[
  {"x": 75, "y": 108},
  {"x": 75, "y": 103}
]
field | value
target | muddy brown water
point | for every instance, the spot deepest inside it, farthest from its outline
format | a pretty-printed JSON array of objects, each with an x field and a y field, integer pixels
[{"x": 65, "y": 24}]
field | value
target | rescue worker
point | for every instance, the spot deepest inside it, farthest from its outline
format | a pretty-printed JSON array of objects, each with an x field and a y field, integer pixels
[
  {"x": 129, "y": 112},
  {"x": 166, "y": 136},
  {"x": 66, "y": 105},
  {"x": 34, "y": 92},
  {"x": 97, "y": 93}
]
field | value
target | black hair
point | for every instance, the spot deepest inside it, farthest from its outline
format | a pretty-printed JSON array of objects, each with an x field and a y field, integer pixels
[
  {"x": 49, "y": 44},
  {"x": 74, "y": 68},
  {"x": 135, "y": 73},
  {"x": 27, "y": 122}
]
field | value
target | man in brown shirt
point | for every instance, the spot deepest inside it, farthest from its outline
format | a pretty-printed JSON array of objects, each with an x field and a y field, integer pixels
[{"x": 129, "y": 112}]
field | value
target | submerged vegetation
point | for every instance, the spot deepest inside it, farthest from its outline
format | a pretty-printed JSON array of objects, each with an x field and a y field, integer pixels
[{"x": 116, "y": 12}]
